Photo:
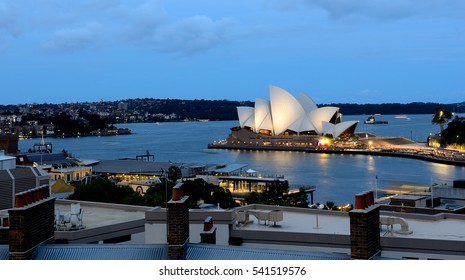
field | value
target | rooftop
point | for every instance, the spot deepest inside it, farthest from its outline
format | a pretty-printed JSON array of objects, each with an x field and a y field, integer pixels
[
  {"x": 101, "y": 252},
  {"x": 442, "y": 226},
  {"x": 130, "y": 167},
  {"x": 102, "y": 220},
  {"x": 230, "y": 168}
]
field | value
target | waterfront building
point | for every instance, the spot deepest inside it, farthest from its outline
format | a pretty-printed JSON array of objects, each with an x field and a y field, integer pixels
[
  {"x": 126, "y": 170},
  {"x": 284, "y": 114},
  {"x": 59, "y": 165}
]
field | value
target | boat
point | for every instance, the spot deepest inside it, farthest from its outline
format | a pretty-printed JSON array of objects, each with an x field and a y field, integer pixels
[{"x": 371, "y": 120}]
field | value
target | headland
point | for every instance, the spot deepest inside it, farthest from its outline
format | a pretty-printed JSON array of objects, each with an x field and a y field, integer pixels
[{"x": 290, "y": 123}]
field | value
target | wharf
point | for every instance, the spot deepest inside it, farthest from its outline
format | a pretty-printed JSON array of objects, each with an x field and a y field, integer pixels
[{"x": 436, "y": 155}]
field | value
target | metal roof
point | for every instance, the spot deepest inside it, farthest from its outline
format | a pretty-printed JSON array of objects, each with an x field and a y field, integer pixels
[
  {"x": 230, "y": 168},
  {"x": 101, "y": 252},
  {"x": 252, "y": 178},
  {"x": 160, "y": 252},
  {"x": 218, "y": 252},
  {"x": 45, "y": 157},
  {"x": 130, "y": 167},
  {"x": 4, "y": 252}
]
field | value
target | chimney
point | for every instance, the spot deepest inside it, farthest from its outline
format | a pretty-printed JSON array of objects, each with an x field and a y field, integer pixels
[
  {"x": 30, "y": 224},
  {"x": 208, "y": 235},
  {"x": 364, "y": 227},
  {"x": 178, "y": 224}
]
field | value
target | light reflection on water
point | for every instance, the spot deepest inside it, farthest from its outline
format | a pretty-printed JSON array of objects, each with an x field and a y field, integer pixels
[{"x": 336, "y": 177}]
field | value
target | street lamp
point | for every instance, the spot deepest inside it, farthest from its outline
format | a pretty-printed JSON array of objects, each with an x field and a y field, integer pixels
[{"x": 162, "y": 172}]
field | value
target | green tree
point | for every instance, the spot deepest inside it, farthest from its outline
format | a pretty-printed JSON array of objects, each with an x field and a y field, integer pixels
[
  {"x": 174, "y": 173},
  {"x": 275, "y": 192},
  {"x": 155, "y": 196},
  {"x": 330, "y": 205},
  {"x": 254, "y": 198},
  {"x": 441, "y": 117},
  {"x": 199, "y": 189},
  {"x": 300, "y": 199},
  {"x": 104, "y": 190},
  {"x": 455, "y": 132}
]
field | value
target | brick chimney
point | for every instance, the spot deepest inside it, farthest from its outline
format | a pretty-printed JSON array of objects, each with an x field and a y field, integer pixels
[
  {"x": 31, "y": 223},
  {"x": 208, "y": 235},
  {"x": 178, "y": 224},
  {"x": 364, "y": 227}
]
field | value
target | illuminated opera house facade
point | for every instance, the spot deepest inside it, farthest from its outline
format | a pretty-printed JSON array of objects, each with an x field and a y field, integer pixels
[{"x": 291, "y": 121}]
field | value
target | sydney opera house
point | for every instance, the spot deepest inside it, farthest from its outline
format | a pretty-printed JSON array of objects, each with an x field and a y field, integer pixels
[{"x": 285, "y": 115}]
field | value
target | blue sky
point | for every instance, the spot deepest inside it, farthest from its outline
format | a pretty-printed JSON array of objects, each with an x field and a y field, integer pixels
[{"x": 354, "y": 51}]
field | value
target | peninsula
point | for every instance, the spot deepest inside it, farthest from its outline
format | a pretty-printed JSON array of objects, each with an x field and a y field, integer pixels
[{"x": 288, "y": 123}]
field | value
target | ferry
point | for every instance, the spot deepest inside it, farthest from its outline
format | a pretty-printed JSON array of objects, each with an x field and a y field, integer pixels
[{"x": 371, "y": 120}]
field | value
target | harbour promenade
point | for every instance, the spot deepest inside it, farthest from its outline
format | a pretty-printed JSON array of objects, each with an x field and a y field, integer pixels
[{"x": 414, "y": 151}]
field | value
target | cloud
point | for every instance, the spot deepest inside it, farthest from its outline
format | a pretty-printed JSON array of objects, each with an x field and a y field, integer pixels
[
  {"x": 71, "y": 39},
  {"x": 150, "y": 26},
  {"x": 381, "y": 9},
  {"x": 140, "y": 23},
  {"x": 79, "y": 25},
  {"x": 193, "y": 35},
  {"x": 9, "y": 20}
]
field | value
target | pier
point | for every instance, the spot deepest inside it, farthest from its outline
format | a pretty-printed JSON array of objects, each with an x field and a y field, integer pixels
[{"x": 437, "y": 155}]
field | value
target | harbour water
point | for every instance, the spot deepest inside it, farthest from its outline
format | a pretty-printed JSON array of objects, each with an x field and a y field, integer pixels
[{"x": 337, "y": 177}]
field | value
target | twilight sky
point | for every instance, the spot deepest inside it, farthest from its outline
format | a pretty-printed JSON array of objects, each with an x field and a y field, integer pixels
[{"x": 337, "y": 51}]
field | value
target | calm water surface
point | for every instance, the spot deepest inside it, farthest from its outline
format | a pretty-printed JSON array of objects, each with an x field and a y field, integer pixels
[{"x": 337, "y": 177}]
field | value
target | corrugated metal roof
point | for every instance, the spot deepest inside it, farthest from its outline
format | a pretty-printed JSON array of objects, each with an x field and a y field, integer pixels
[
  {"x": 230, "y": 168},
  {"x": 252, "y": 179},
  {"x": 102, "y": 252},
  {"x": 4, "y": 252},
  {"x": 130, "y": 166},
  {"x": 160, "y": 252},
  {"x": 217, "y": 252},
  {"x": 46, "y": 158}
]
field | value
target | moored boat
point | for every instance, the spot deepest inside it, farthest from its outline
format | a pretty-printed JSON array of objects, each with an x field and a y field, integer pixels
[{"x": 371, "y": 120}]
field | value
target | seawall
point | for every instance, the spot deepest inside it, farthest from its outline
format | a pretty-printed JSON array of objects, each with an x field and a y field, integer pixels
[{"x": 390, "y": 153}]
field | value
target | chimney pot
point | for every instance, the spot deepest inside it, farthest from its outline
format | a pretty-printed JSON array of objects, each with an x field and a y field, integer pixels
[
  {"x": 19, "y": 200},
  {"x": 370, "y": 199},
  {"x": 360, "y": 201},
  {"x": 177, "y": 194},
  {"x": 208, "y": 224}
]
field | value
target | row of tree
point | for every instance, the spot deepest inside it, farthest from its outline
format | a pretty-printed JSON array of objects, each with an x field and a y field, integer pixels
[{"x": 104, "y": 190}]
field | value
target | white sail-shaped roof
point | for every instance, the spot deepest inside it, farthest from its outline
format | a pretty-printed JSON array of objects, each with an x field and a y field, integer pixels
[
  {"x": 263, "y": 118},
  {"x": 343, "y": 126},
  {"x": 307, "y": 102},
  {"x": 320, "y": 115},
  {"x": 285, "y": 112},
  {"x": 302, "y": 124},
  {"x": 285, "y": 109},
  {"x": 337, "y": 129},
  {"x": 246, "y": 116},
  {"x": 329, "y": 128}
]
